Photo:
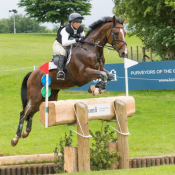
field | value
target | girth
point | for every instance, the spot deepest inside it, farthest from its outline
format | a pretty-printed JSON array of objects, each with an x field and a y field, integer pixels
[{"x": 69, "y": 75}]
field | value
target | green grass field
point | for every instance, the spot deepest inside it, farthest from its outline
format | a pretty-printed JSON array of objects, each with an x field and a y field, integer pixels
[
  {"x": 151, "y": 127},
  {"x": 163, "y": 170}
]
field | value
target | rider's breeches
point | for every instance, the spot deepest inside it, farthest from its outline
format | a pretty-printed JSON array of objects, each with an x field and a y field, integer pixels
[{"x": 58, "y": 49}]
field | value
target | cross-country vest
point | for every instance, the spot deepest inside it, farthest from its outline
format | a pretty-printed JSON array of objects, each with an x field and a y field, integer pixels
[{"x": 70, "y": 31}]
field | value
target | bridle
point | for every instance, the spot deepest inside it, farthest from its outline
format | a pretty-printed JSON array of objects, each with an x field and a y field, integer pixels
[
  {"x": 113, "y": 40},
  {"x": 113, "y": 47}
]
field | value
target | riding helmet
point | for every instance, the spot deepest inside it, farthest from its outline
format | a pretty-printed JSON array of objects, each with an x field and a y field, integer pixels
[{"x": 75, "y": 17}]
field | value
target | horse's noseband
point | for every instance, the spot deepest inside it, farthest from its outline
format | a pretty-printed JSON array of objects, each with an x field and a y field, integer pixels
[{"x": 113, "y": 40}]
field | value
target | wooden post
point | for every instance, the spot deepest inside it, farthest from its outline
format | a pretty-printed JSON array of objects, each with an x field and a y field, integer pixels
[
  {"x": 83, "y": 143},
  {"x": 150, "y": 54},
  {"x": 134, "y": 163},
  {"x": 143, "y": 54},
  {"x": 143, "y": 161},
  {"x": 148, "y": 162},
  {"x": 112, "y": 146},
  {"x": 70, "y": 159},
  {"x": 122, "y": 140},
  {"x": 131, "y": 54},
  {"x": 171, "y": 160},
  {"x": 153, "y": 162},
  {"x": 162, "y": 161},
  {"x": 137, "y": 53},
  {"x": 139, "y": 163}
]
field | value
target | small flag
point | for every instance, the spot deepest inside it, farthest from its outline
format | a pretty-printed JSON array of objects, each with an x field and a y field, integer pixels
[
  {"x": 45, "y": 67},
  {"x": 129, "y": 63}
]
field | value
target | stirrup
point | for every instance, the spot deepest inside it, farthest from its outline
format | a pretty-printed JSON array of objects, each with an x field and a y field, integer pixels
[{"x": 60, "y": 75}]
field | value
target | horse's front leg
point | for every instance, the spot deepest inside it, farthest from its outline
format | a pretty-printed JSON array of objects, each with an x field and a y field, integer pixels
[
  {"x": 110, "y": 76},
  {"x": 100, "y": 86}
]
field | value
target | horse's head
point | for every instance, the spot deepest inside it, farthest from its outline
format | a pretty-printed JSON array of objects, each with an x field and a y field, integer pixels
[{"x": 116, "y": 37}]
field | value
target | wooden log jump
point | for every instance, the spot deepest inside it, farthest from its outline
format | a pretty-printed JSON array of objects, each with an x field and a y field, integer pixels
[
  {"x": 62, "y": 111},
  {"x": 109, "y": 108}
]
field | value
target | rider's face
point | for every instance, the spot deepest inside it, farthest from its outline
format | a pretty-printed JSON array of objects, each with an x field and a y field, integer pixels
[{"x": 76, "y": 25}]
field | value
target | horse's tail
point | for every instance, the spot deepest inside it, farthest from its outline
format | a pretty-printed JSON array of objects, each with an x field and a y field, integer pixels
[{"x": 24, "y": 90}]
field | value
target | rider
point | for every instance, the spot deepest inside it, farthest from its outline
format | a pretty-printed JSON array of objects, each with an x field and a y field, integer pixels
[{"x": 67, "y": 35}]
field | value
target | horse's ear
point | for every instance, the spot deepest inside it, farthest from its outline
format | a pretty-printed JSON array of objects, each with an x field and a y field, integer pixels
[
  {"x": 114, "y": 20},
  {"x": 123, "y": 20}
]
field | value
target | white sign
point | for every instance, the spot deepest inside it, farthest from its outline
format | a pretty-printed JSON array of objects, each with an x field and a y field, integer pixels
[{"x": 99, "y": 109}]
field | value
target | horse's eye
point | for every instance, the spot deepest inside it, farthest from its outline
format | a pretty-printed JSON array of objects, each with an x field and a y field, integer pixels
[{"x": 115, "y": 33}]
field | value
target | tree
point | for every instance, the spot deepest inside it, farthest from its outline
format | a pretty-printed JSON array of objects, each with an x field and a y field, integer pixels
[
  {"x": 170, "y": 3},
  {"x": 22, "y": 24},
  {"x": 56, "y": 27},
  {"x": 152, "y": 21},
  {"x": 55, "y": 11},
  {"x": 4, "y": 27}
]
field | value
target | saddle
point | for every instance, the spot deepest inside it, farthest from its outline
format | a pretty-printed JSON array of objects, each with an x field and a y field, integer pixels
[
  {"x": 68, "y": 51},
  {"x": 52, "y": 64}
]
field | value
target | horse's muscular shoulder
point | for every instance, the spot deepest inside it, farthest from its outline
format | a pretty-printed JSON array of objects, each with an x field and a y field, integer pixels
[
  {"x": 93, "y": 62},
  {"x": 91, "y": 59}
]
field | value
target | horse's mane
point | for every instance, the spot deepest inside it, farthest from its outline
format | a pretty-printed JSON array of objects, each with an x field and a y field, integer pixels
[{"x": 100, "y": 22}]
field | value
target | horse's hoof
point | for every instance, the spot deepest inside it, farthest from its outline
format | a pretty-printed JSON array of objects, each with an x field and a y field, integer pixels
[
  {"x": 91, "y": 89},
  {"x": 102, "y": 91},
  {"x": 25, "y": 134},
  {"x": 96, "y": 92},
  {"x": 14, "y": 142}
]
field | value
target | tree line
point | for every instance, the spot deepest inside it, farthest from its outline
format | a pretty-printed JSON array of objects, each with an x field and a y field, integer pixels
[
  {"x": 152, "y": 21},
  {"x": 23, "y": 24}
]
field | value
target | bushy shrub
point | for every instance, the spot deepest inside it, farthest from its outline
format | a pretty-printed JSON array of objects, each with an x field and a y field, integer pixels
[{"x": 100, "y": 157}]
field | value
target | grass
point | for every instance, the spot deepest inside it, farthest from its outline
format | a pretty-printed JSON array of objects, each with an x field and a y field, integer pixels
[
  {"x": 151, "y": 127},
  {"x": 163, "y": 170},
  {"x": 25, "y": 50}
]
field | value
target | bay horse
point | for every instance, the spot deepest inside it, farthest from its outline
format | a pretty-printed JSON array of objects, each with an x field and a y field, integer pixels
[{"x": 86, "y": 64}]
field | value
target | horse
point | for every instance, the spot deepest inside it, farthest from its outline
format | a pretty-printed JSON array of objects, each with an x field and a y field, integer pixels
[{"x": 86, "y": 64}]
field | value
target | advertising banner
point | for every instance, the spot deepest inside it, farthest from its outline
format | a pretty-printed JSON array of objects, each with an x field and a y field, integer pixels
[{"x": 143, "y": 76}]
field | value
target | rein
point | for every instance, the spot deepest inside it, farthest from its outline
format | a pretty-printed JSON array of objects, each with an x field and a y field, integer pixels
[{"x": 94, "y": 44}]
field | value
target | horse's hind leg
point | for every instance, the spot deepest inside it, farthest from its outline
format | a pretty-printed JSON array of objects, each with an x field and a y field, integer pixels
[
  {"x": 14, "y": 141},
  {"x": 28, "y": 126},
  {"x": 23, "y": 115},
  {"x": 53, "y": 97}
]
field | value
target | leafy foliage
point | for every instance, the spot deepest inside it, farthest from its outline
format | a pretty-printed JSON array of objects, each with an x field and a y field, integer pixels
[
  {"x": 153, "y": 22},
  {"x": 100, "y": 157},
  {"x": 22, "y": 24},
  {"x": 59, "y": 161},
  {"x": 53, "y": 10},
  {"x": 170, "y": 3}
]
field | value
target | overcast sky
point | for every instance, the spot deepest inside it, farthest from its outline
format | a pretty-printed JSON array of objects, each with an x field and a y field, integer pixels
[{"x": 100, "y": 8}]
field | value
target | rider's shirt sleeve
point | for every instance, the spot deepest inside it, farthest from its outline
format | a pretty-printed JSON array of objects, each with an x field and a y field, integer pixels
[{"x": 65, "y": 38}]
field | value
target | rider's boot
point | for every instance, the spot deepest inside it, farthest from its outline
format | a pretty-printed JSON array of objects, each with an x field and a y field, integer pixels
[{"x": 60, "y": 65}]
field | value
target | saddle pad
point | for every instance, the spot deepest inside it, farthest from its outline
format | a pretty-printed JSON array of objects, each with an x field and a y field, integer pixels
[{"x": 52, "y": 66}]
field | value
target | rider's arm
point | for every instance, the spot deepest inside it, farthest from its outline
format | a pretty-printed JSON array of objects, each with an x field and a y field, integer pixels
[{"x": 65, "y": 38}]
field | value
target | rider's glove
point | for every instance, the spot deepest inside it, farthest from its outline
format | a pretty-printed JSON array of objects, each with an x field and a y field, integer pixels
[{"x": 79, "y": 40}]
